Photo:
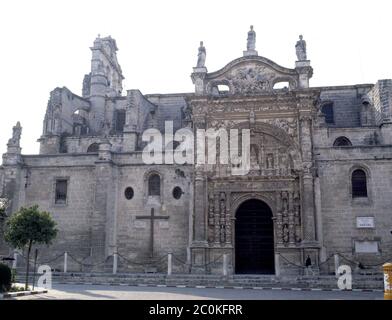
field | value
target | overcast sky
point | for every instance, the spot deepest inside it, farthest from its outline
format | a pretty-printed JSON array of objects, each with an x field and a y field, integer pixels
[{"x": 45, "y": 44}]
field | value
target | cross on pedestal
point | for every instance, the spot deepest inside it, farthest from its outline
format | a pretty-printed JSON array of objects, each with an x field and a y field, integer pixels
[{"x": 152, "y": 217}]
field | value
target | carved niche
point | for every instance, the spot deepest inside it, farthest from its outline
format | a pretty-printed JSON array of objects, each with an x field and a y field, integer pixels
[
  {"x": 288, "y": 218},
  {"x": 219, "y": 219}
]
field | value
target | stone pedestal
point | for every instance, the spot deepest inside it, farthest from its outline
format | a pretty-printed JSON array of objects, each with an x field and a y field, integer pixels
[
  {"x": 305, "y": 72},
  {"x": 250, "y": 53},
  {"x": 198, "y": 76},
  {"x": 12, "y": 157},
  {"x": 199, "y": 257}
]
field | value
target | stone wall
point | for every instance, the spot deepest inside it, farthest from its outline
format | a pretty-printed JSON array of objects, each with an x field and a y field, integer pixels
[
  {"x": 97, "y": 218},
  {"x": 339, "y": 210},
  {"x": 133, "y": 235},
  {"x": 170, "y": 109},
  {"x": 74, "y": 218},
  {"x": 347, "y": 103}
]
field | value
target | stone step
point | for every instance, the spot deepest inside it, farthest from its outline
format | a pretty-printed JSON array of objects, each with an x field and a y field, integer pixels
[{"x": 360, "y": 282}]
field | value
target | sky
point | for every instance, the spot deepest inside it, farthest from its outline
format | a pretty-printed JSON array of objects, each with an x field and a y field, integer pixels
[{"x": 46, "y": 44}]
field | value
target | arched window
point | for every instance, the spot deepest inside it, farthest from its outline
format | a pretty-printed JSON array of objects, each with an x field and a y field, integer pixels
[
  {"x": 223, "y": 88},
  {"x": 342, "y": 142},
  {"x": 93, "y": 148},
  {"x": 281, "y": 85},
  {"x": 327, "y": 110},
  {"x": 154, "y": 185},
  {"x": 359, "y": 184}
]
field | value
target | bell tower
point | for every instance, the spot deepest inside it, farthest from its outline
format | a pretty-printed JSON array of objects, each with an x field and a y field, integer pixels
[{"x": 105, "y": 79}]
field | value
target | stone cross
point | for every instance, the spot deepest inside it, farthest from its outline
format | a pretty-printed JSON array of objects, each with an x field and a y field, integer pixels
[{"x": 152, "y": 218}]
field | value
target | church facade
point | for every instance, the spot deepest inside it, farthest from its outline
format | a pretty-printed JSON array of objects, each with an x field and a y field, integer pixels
[{"x": 319, "y": 181}]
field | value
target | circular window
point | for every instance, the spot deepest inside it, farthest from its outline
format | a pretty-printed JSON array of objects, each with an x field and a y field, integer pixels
[
  {"x": 177, "y": 193},
  {"x": 129, "y": 193}
]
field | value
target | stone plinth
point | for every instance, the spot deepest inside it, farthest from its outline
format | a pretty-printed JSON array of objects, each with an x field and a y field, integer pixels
[{"x": 250, "y": 53}]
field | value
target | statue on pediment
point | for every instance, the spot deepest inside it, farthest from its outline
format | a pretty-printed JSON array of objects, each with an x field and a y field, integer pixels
[
  {"x": 300, "y": 49},
  {"x": 251, "y": 41},
  {"x": 16, "y": 134},
  {"x": 201, "y": 57}
]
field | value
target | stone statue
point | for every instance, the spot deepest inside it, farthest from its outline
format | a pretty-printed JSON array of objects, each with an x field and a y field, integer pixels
[
  {"x": 106, "y": 128},
  {"x": 300, "y": 48},
  {"x": 201, "y": 57},
  {"x": 285, "y": 233},
  {"x": 187, "y": 113},
  {"x": 222, "y": 207},
  {"x": 270, "y": 161},
  {"x": 16, "y": 134},
  {"x": 254, "y": 159},
  {"x": 211, "y": 209},
  {"x": 251, "y": 44}
]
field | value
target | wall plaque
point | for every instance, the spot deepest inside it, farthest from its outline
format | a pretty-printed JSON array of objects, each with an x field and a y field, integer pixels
[
  {"x": 365, "y": 222},
  {"x": 366, "y": 247}
]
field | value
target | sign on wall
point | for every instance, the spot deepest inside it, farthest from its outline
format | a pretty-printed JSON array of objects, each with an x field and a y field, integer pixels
[
  {"x": 366, "y": 247},
  {"x": 365, "y": 222}
]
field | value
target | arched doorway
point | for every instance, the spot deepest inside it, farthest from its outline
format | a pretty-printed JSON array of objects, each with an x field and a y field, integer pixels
[{"x": 254, "y": 238}]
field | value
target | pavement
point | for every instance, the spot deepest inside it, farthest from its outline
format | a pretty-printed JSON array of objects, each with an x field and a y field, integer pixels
[{"x": 125, "y": 292}]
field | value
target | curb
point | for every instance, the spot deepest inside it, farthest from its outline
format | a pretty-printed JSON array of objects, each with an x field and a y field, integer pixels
[
  {"x": 21, "y": 293},
  {"x": 219, "y": 287}
]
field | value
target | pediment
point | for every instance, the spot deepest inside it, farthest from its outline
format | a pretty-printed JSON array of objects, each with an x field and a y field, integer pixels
[{"x": 250, "y": 75}]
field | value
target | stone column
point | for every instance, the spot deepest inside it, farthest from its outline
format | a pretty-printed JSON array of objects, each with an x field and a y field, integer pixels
[
  {"x": 319, "y": 222},
  {"x": 199, "y": 216},
  {"x": 225, "y": 264},
  {"x": 65, "y": 262},
  {"x": 291, "y": 220},
  {"x": 103, "y": 219},
  {"x": 308, "y": 208},
  {"x": 169, "y": 263},
  {"x": 308, "y": 213},
  {"x": 200, "y": 204},
  {"x": 216, "y": 220},
  {"x": 279, "y": 222},
  {"x": 199, "y": 243},
  {"x": 229, "y": 227}
]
